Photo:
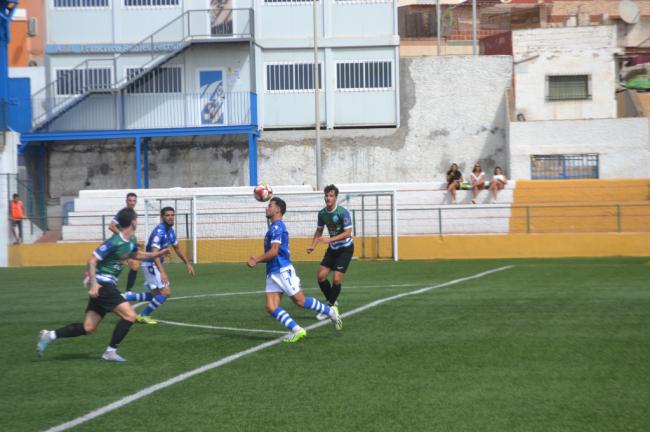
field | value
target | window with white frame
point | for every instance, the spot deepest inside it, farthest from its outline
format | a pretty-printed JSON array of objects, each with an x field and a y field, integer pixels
[
  {"x": 292, "y": 77},
  {"x": 364, "y": 75},
  {"x": 151, "y": 3},
  {"x": 567, "y": 87},
  {"x": 80, "y": 3},
  {"x": 79, "y": 81},
  {"x": 161, "y": 80}
]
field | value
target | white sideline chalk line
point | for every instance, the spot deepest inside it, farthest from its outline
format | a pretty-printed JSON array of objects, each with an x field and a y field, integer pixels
[
  {"x": 221, "y": 328},
  {"x": 182, "y": 377},
  {"x": 308, "y": 288},
  {"x": 136, "y": 305}
]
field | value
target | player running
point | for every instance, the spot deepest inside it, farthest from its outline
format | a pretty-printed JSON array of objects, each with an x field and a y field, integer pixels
[
  {"x": 281, "y": 277},
  {"x": 104, "y": 267},
  {"x": 155, "y": 277},
  {"x": 341, "y": 247},
  {"x": 134, "y": 265}
]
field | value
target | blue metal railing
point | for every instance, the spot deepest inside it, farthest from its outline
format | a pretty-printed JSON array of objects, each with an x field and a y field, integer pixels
[{"x": 155, "y": 111}]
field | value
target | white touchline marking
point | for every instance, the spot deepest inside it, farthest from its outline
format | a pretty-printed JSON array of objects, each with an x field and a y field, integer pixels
[
  {"x": 221, "y": 328},
  {"x": 182, "y": 377},
  {"x": 308, "y": 288}
]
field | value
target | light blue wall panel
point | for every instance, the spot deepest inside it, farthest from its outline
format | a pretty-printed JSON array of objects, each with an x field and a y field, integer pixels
[
  {"x": 287, "y": 20},
  {"x": 362, "y": 19},
  {"x": 79, "y": 26},
  {"x": 291, "y": 109},
  {"x": 365, "y": 108}
]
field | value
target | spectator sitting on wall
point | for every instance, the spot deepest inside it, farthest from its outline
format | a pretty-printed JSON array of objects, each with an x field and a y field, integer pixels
[
  {"x": 17, "y": 216},
  {"x": 477, "y": 181},
  {"x": 454, "y": 179},
  {"x": 498, "y": 182}
]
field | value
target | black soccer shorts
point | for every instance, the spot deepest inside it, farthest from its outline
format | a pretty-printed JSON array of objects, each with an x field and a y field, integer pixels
[
  {"x": 109, "y": 298},
  {"x": 338, "y": 259}
]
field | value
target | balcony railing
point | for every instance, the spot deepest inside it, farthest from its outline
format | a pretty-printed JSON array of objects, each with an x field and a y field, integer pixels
[
  {"x": 203, "y": 25},
  {"x": 153, "y": 111}
]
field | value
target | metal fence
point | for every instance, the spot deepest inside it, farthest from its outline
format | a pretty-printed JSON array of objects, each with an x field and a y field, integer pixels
[
  {"x": 564, "y": 167},
  {"x": 460, "y": 220},
  {"x": 149, "y": 111}
]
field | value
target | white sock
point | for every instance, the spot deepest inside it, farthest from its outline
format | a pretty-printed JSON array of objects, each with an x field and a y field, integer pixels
[
  {"x": 51, "y": 335},
  {"x": 110, "y": 349},
  {"x": 296, "y": 329}
]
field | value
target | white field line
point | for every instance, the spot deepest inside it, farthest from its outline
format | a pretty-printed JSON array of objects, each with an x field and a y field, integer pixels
[
  {"x": 227, "y": 294},
  {"x": 221, "y": 328},
  {"x": 247, "y": 293},
  {"x": 231, "y": 358},
  {"x": 307, "y": 288}
]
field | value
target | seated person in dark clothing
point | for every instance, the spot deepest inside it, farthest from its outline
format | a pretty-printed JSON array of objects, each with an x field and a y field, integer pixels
[{"x": 454, "y": 179}]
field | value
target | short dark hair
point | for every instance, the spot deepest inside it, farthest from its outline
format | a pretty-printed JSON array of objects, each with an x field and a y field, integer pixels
[
  {"x": 331, "y": 188},
  {"x": 15, "y": 195},
  {"x": 280, "y": 203},
  {"x": 166, "y": 209},
  {"x": 131, "y": 194},
  {"x": 125, "y": 217}
]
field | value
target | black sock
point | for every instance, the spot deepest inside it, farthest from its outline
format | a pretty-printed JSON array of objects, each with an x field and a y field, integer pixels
[
  {"x": 71, "y": 330},
  {"x": 326, "y": 289},
  {"x": 336, "y": 290},
  {"x": 130, "y": 281},
  {"x": 121, "y": 329}
]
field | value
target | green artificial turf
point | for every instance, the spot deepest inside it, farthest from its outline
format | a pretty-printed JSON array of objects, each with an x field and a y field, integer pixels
[{"x": 547, "y": 345}]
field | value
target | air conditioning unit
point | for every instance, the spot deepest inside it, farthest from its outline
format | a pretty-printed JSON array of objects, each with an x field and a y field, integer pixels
[{"x": 32, "y": 26}]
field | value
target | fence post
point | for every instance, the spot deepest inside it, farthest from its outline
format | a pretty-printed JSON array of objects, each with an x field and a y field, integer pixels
[
  {"x": 527, "y": 220},
  {"x": 377, "y": 222},
  {"x": 439, "y": 221},
  {"x": 187, "y": 227},
  {"x": 363, "y": 226},
  {"x": 103, "y": 228},
  {"x": 618, "y": 217}
]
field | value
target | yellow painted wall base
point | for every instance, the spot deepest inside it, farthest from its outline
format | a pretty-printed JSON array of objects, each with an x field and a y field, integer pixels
[
  {"x": 525, "y": 246},
  {"x": 410, "y": 248}
]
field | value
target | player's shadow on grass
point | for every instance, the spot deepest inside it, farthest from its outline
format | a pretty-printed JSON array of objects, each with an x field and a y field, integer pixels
[{"x": 71, "y": 356}]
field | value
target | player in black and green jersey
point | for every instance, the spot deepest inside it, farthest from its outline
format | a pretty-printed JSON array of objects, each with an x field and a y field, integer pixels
[
  {"x": 114, "y": 227},
  {"x": 340, "y": 249},
  {"x": 104, "y": 267}
]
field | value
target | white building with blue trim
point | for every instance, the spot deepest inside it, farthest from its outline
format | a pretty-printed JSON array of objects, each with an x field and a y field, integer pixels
[{"x": 150, "y": 68}]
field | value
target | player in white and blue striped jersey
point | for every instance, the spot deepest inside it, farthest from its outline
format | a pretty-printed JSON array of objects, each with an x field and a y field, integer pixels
[
  {"x": 155, "y": 276},
  {"x": 281, "y": 277}
]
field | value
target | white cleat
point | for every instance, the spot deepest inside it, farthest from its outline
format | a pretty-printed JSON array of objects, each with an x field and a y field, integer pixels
[
  {"x": 113, "y": 356},
  {"x": 43, "y": 342},
  {"x": 336, "y": 318}
]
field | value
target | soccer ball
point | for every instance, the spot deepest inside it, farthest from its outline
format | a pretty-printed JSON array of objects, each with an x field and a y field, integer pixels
[{"x": 263, "y": 192}]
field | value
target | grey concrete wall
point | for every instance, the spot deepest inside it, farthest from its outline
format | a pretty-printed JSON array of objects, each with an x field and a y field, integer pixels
[
  {"x": 452, "y": 110},
  {"x": 173, "y": 162}
]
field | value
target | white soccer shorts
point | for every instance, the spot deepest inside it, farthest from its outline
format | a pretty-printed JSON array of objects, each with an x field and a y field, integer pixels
[
  {"x": 285, "y": 281},
  {"x": 152, "y": 277}
]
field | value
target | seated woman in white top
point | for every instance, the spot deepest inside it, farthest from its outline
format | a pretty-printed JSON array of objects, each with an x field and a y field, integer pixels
[
  {"x": 477, "y": 181},
  {"x": 498, "y": 182}
]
